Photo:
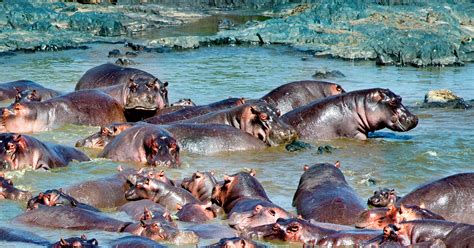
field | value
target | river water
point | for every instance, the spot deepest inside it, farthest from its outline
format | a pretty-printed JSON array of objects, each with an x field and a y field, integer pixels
[{"x": 441, "y": 144}]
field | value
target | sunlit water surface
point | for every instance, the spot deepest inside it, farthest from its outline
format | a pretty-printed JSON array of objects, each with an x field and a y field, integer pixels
[{"x": 441, "y": 145}]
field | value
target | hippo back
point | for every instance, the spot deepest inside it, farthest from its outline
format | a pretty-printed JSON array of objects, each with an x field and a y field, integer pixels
[{"x": 451, "y": 197}]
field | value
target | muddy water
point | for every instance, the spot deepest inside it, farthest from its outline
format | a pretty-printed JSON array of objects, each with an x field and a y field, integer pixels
[{"x": 441, "y": 145}]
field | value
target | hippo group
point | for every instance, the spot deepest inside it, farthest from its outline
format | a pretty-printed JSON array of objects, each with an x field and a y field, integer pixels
[{"x": 139, "y": 126}]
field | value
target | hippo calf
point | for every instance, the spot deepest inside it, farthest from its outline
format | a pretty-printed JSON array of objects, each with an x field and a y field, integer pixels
[
  {"x": 8, "y": 191},
  {"x": 76, "y": 242},
  {"x": 200, "y": 184},
  {"x": 25, "y": 87},
  {"x": 383, "y": 198},
  {"x": 19, "y": 151}
]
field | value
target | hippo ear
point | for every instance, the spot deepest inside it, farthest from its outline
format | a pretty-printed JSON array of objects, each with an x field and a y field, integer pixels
[
  {"x": 18, "y": 90},
  {"x": 94, "y": 242},
  {"x": 83, "y": 236},
  {"x": 10, "y": 182},
  {"x": 119, "y": 168},
  {"x": 34, "y": 93},
  {"x": 63, "y": 242},
  {"x": 21, "y": 142},
  {"x": 178, "y": 206},
  {"x": 142, "y": 223},
  {"x": 306, "y": 167},
  {"x": 253, "y": 172},
  {"x": 337, "y": 164},
  {"x": 402, "y": 209},
  {"x": 213, "y": 172},
  {"x": 165, "y": 84},
  {"x": 241, "y": 101}
]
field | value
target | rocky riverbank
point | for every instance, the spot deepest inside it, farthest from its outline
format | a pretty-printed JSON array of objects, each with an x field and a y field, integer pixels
[{"x": 389, "y": 32}]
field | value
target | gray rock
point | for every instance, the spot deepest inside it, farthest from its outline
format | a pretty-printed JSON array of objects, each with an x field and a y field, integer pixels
[
  {"x": 324, "y": 73},
  {"x": 444, "y": 99}
]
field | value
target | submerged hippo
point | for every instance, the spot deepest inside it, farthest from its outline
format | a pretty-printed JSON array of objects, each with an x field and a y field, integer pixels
[
  {"x": 89, "y": 107},
  {"x": 412, "y": 232},
  {"x": 9, "y": 192},
  {"x": 257, "y": 217},
  {"x": 258, "y": 119},
  {"x": 236, "y": 242},
  {"x": 191, "y": 112},
  {"x": 324, "y": 195},
  {"x": 196, "y": 212},
  {"x": 296, "y": 94},
  {"x": 352, "y": 115},
  {"x": 22, "y": 151},
  {"x": 76, "y": 242},
  {"x": 70, "y": 218},
  {"x": 135, "y": 242},
  {"x": 450, "y": 197},
  {"x": 149, "y": 144},
  {"x": 56, "y": 197},
  {"x": 10, "y": 90},
  {"x": 159, "y": 232},
  {"x": 200, "y": 184},
  {"x": 16, "y": 235},
  {"x": 104, "y": 136}
]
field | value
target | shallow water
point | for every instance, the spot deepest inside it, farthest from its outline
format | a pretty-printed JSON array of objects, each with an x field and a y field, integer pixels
[{"x": 441, "y": 145}]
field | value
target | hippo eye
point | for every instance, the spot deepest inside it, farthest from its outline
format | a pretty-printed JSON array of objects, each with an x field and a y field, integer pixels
[
  {"x": 197, "y": 176},
  {"x": 338, "y": 88}
]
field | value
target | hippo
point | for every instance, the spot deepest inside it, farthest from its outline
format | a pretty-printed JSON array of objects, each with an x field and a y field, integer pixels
[
  {"x": 18, "y": 151},
  {"x": 212, "y": 231},
  {"x": 240, "y": 192},
  {"x": 17, "y": 235},
  {"x": 450, "y": 197},
  {"x": 161, "y": 193},
  {"x": 324, "y": 195},
  {"x": 200, "y": 184},
  {"x": 70, "y": 218},
  {"x": 108, "y": 192},
  {"x": 56, "y": 197},
  {"x": 195, "y": 138},
  {"x": 351, "y": 115},
  {"x": 236, "y": 242},
  {"x": 258, "y": 217},
  {"x": 135, "y": 242},
  {"x": 150, "y": 173},
  {"x": 10, "y": 192},
  {"x": 27, "y": 96},
  {"x": 296, "y": 94},
  {"x": 183, "y": 102},
  {"x": 143, "y": 210},
  {"x": 453, "y": 234},
  {"x": 379, "y": 218},
  {"x": 196, "y": 212},
  {"x": 159, "y": 232},
  {"x": 104, "y": 136},
  {"x": 149, "y": 144},
  {"x": 88, "y": 107},
  {"x": 258, "y": 119},
  {"x": 191, "y": 112},
  {"x": 383, "y": 198},
  {"x": 74, "y": 242},
  {"x": 10, "y": 90}
]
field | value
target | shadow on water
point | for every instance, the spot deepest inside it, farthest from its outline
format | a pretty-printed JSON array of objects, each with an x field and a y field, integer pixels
[{"x": 389, "y": 136}]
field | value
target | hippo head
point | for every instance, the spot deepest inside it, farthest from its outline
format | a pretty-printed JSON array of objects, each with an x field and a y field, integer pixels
[
  {"x": 259, "y": 216},
  {"x": 242, "y": 184},
  {"x": 382, "y": 198},
  {"x": 145, "y": 93},
  {"x": 27, "y": 96},
  {"x": 200, "y": 184},
  {"x": 263, "y": 121},
  {"x": 196, "y": 212},
  {"x": 50, "y": 198},
  {"x": 162, "y": 151},
  {"x": 8, "y": 191},
  {"x": 76, "y": 242},
  {"x": 104, "y": 136},
  {"x": 184, "y": 102},
  {"x": 374, "y": 219},
  {"x": 147, "y": 188},
  {"x": 385, "y": 109},
  {"x": 18, "y": 117},
  {"x": 12, "y": 148}
]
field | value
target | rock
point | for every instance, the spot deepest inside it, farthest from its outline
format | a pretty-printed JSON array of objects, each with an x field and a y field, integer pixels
[
  {"x": 226, "y": 24},
  {"x": 324, "y": 73},
  {"x": 131, "y": 54},
  {"x": 444, "y": 98},
  {"x": 297, "y": 146},
  {"x": 125, "y": 62},
  {"x": 114, "y": 53}
]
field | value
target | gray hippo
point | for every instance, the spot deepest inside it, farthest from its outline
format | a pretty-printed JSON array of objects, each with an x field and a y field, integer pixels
[
  {"x": 352, "y": 115},
  {"x": 11, "y": 90},
  {"x": 19, "y": 151}
]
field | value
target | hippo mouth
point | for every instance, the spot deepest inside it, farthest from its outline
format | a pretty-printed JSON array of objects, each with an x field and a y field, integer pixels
[{"x": 142, "y": 108}]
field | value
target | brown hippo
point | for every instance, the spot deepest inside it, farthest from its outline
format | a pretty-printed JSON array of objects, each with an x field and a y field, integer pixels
[
  {"x": 236, "y": 242},
  {"x": 56, "y": 197},
  {"x": 88, "y": 107},
  {"x": 296, "y": 94},
  {"x": 70, "y": 218},
  {"x": 166, "y": 195},
  {"x": 19, "y": 151},
  {"x": 383, "y": 198},
  {"x": 76, "y": 242},
  {"x": 145, "y": 209},
  {"x": 16, "y": 235},
  {"x": 145, "y": 143},
  {"x": 27, "y": 96},
  {"x": 196, "y": 212},
  {"x": 257, "y": 217},
  {"x": 212, "y": 231},
  {"x": 381, "y": 217},
  {"x": 104, "y": 136},
  {"x": 159, "y": 232},
  {"x": 352, "y": 115},
  {"x": 200, "y": 184},
  {"x": 188, "y": 113},
  {"x": 10, "y": 90},
  {"x": 412, "y": 232},
  {"x": 324, "y": 195},
  {"x": 108, "y": 192},
  {"x": 195, "y": 138},
  {"x": 9, "y": 192},
  {"x": 258, "y": 119},
  {"x": 450, "y": 197},
  {"x": 240, "y": 192},
  {"x": 135, "y": 242}
]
